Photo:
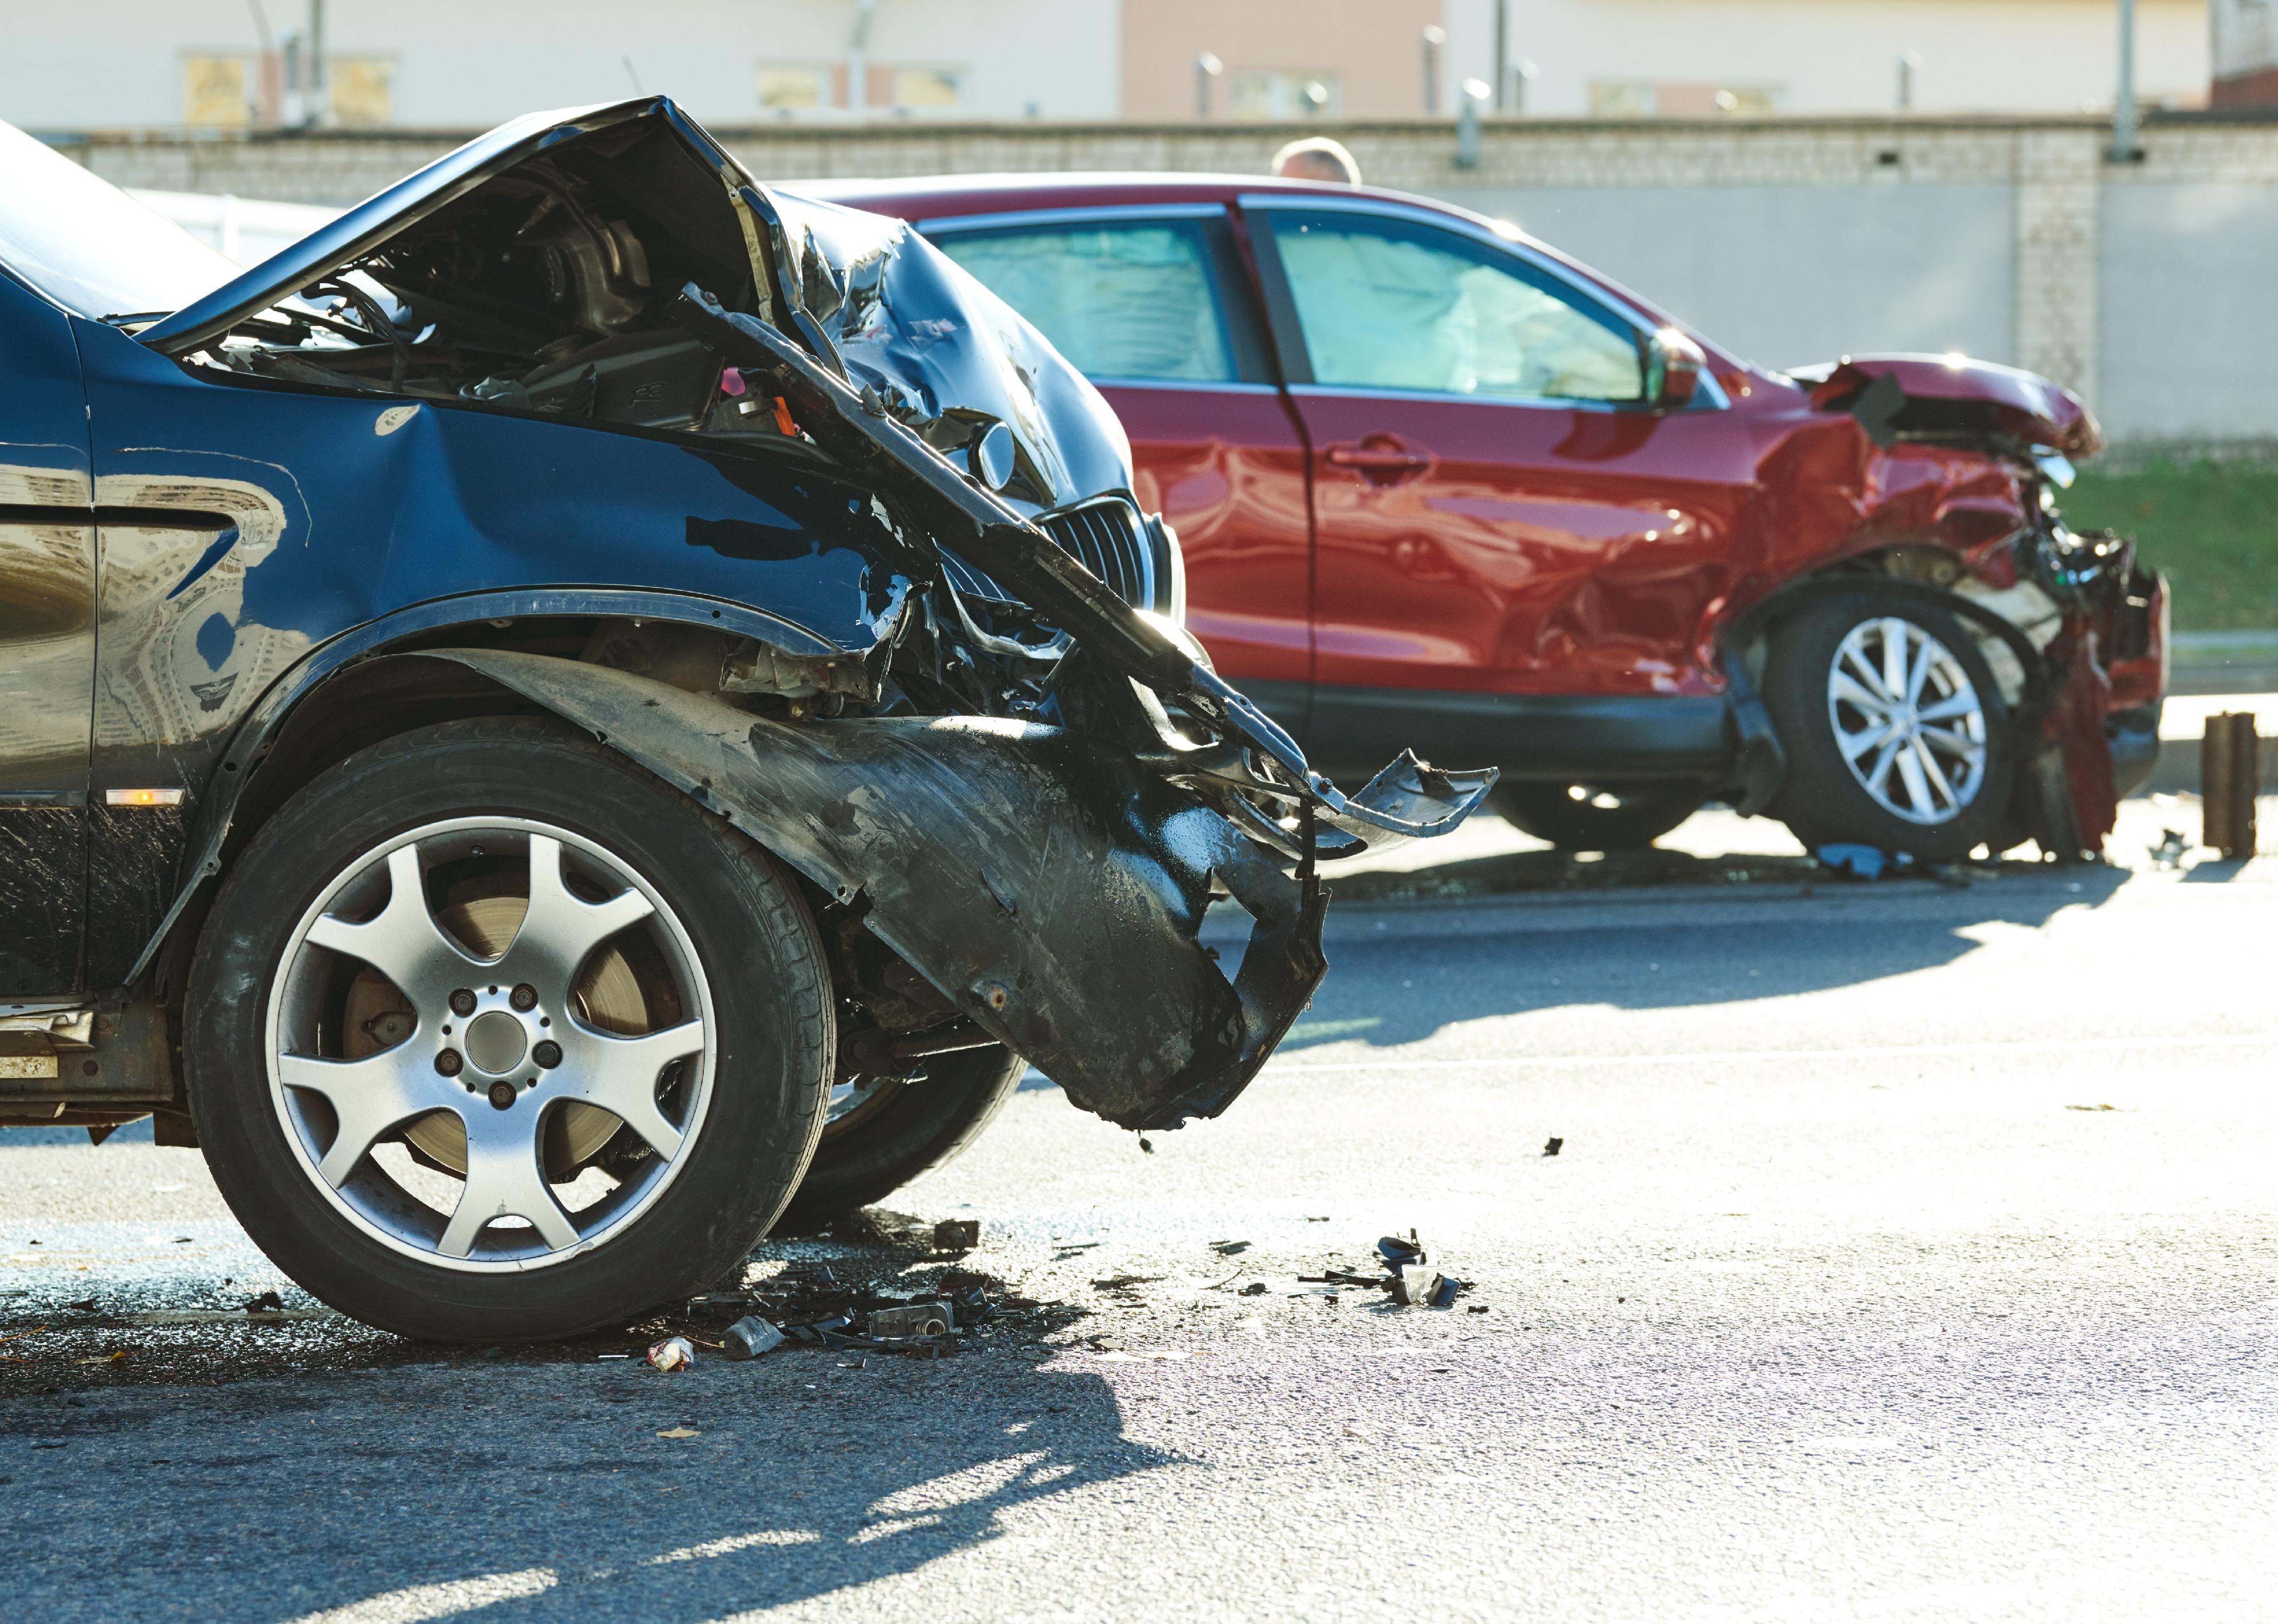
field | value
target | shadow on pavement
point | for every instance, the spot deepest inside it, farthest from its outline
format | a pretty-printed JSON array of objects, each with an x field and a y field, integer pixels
[
  {"x": 403, "y": 1481},
  {"x": 1661, "y": 951}
]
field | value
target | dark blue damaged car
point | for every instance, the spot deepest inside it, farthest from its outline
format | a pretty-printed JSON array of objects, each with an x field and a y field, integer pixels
[{"x": 589, "y": 705}]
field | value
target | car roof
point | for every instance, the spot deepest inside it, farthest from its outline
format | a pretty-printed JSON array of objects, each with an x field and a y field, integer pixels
[{"x": 930, "y": 198}]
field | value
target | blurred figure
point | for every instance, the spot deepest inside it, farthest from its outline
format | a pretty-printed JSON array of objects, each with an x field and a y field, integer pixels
[{"x": 1316, "y": 158}]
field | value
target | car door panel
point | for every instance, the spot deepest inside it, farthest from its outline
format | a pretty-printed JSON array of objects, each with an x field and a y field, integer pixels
[
  {"x": 1502, "y": 559},
  {"x": 1496, "y": 508},
  {"x": 46, "y": 646}
]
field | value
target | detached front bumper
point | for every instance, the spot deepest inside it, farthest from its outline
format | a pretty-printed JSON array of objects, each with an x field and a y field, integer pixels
[{"x": 1048, "y": 885}]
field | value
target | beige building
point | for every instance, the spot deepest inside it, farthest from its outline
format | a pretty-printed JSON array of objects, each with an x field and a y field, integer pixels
[{"x": 469, "y": 64}]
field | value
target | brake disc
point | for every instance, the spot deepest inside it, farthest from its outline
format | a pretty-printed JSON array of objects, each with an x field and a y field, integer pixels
[{"x": 609, "y": 996}]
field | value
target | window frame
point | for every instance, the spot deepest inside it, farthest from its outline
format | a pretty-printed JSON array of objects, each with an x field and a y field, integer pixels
[
  {"x": 1240, "y": 319},
  {"x": 1289, "y": 335}
]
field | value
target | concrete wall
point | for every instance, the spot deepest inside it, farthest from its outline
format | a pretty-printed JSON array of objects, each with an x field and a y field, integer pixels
[
  {"x": 1841, "y": 56},
  {"x": 2146, "y": 287}
]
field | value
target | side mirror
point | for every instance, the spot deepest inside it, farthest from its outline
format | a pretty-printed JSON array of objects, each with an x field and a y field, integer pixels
[{"x": 1673, "y": 365}]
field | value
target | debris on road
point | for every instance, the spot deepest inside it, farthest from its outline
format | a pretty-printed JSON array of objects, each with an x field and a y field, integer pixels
[
  {"x": 749, "y": 1338},
  {"x": 2169, "y": 852},
  {"x": 1863, "y": 862},
  {"x": 1256, "y": 1288},
  {"x": 1397, "y": 1251},
  {"x": 672, "y": 1354},
  {"x": 957, "y": 1234},
  {"x": 1229, "y": 1248},
  {"x": 268, "y": 1302},
  {"x": 1552, "y": 1145},
  {"x": 918, "y": 1319},
  {"x": 680, "y": 1432},
  {"x": 1408, "y": 1279}
]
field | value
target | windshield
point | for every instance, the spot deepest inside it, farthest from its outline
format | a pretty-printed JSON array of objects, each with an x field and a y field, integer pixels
[{"x": 88, "y": 246}]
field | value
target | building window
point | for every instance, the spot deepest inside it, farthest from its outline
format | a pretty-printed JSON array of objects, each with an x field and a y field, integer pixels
[
  {"x": 214, "y": 91},
  {"x": 1256, "y": 93},
  {"x": 795, "y": 86},
  {"x": 924, "y": 89},
  {"x": 1621, "y": 99},
  {"x": 362, "y": 90}
]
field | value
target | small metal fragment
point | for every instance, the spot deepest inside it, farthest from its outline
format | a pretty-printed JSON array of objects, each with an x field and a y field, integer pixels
[
  {"x": 918, "y": 1319},
  {"x": 749, "y": 1338}
]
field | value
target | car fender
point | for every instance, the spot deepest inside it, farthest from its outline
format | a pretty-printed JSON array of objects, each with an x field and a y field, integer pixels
[
  {"x": 241, "y": 775},
  {"x": 1046, "y": 884}
]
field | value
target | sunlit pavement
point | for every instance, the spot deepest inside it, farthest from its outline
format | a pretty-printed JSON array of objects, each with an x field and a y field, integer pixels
[{"x": 1910, "y": 1255}]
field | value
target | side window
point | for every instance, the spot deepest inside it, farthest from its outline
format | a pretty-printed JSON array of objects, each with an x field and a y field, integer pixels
[
  {"x": 1131, "y": 299},
  {"x": 1385, "y": 304}
]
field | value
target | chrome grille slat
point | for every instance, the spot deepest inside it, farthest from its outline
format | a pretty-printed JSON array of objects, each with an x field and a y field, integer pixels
[{"x": 1105, "y": 535}]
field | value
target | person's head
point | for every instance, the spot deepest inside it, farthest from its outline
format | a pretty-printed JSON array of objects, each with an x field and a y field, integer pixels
[{"x": 1316, "y": 158}]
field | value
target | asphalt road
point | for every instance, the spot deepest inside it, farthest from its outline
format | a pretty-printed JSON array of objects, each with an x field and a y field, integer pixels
[{"x": 1910, "y": 1256}]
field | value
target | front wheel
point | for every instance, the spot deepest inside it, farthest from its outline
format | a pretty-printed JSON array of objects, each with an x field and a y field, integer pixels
[
  {"x": 1588, "y": 817},
  {"x": 492, "y": 1036},
  {"x": 1895, "y": 730}
]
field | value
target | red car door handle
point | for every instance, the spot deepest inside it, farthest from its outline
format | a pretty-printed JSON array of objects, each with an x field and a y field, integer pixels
[{"x": 1379, "y": 459}]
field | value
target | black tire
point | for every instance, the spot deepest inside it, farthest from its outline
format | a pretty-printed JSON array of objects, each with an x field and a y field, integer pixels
[
  {"x": 874, "y": 1152},
  {"x": 1589, "y": 818},
  {"x": 1823, "y": 800},
  {"x": 771, "y": 1040}
]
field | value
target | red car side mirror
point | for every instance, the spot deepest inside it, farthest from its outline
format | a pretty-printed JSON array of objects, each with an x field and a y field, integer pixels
[{"x": 1672, "y": 372}]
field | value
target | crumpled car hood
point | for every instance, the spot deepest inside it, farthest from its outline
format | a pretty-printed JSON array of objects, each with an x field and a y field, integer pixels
[
  {"x": 1955, "y": 395},
  {"x": 879, "y": 304}
]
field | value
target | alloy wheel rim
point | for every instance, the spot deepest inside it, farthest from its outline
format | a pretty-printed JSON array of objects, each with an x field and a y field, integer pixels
[
  {"x": 503, "y": 1055},
  {"x": 1907, "y": 720}
]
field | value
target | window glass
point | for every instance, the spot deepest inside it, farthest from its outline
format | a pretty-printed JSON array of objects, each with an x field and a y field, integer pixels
[
  {"x": 1131, "y": 300},
  {"x": 1387, "y": 305}
]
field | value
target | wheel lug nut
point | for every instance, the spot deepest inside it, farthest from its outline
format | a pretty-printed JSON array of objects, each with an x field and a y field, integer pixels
[
  {"x": 523, "y": 997},
  {"x": 547, "y": 1054},
  {"x": 463, "y": 1002},
  {"x": 450, "y": 1062},
  {"x": 503, "y": 1094}
]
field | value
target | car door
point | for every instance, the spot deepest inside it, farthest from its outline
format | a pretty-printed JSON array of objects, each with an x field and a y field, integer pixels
[
  {"x": 1498, "y": 510},
  {"x": 1152, "y": 304},
  {"x": 47, "y": 645}
]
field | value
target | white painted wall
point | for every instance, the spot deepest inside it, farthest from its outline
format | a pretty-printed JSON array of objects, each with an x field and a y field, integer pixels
[
  {"x": 470, "y": 64},
  {"x": 1841, "y": 56}
]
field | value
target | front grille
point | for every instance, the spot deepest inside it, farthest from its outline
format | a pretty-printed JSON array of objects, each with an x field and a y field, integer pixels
[
  {"x": 1108, "y": 537},
  {"x": 1105, "y": 535}
]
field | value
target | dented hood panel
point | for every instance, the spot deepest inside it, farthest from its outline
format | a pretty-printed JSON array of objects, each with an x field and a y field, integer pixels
[
  {"x": 876, "y": 303},
  {"x": 1954, "y": 395},
  {"x": 1046, "y": 884}
]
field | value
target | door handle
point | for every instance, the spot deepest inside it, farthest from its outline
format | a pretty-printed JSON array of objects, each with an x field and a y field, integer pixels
[{"x": 1378, "y": 463}]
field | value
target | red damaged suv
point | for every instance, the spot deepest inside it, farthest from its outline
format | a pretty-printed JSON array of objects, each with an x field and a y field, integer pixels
[{"x": 1438, "y": 485}]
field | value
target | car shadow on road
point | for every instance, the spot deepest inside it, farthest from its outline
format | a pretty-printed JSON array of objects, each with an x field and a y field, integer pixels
[
  {"x": 540, "y": 1482},
  {"x": 1436, "y": 967}
]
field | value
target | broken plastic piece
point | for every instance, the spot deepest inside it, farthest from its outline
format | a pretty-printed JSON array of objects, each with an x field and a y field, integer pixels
[
  {"x": 957, "y": 1234},
  {"x": 1416, "y": 1285},
  {"x": 1397, "y": 1251},
  {"x": 749, "y": 1338},
  {"x": 1444, "y": 1296},
  {"x": 672, "y": 1354},
  {"x": 1863, "y": 862}
]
